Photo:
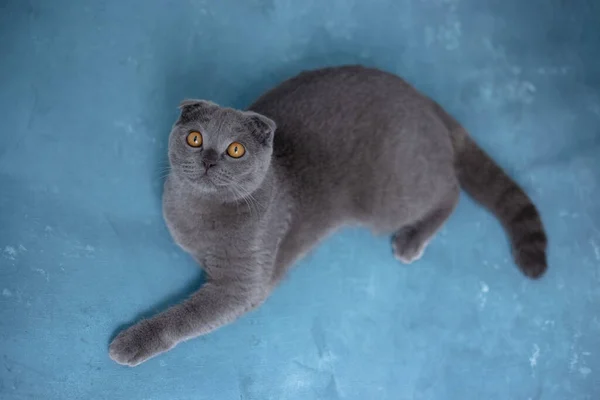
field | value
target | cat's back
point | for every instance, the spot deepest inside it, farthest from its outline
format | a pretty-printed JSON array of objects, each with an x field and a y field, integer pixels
[
  {"x": 351, "y": 120},
  {"x": 335, "y": 109},
  {"x": 325, "y": 96}
]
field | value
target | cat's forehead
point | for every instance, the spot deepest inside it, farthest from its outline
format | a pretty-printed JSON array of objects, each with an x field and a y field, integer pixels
[
  {"x": 224, "y": 125},
  {"x": 217, "y": 122},
  {"x": 225, "y": 118}
]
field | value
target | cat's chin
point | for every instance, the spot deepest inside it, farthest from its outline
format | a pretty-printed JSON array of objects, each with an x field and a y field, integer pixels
[
  {"x": 210, "y": 186},
  {"x": 213, "y": 188},
  {"x": 200, "y": 182},
  {"x": 206, "y": 184}
]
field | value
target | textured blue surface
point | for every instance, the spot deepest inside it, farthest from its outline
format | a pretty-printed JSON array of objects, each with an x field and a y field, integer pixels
[{"x": 88, "y": 92}]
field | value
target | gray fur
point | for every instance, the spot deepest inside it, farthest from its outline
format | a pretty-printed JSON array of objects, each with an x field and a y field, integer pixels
[{"x": 352, "y": 146}]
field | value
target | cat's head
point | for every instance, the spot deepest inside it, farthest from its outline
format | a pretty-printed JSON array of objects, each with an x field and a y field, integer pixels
[{"x": 220, "y": 151}]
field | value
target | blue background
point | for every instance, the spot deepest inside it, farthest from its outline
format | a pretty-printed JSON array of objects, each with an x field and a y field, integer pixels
[{"x": 89, "y": 90}]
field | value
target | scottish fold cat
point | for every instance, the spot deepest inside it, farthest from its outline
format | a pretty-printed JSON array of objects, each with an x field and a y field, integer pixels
[{"x": 251, "y": 192}]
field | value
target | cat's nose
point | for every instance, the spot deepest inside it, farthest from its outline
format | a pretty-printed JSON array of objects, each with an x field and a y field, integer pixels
[{"x": 208, "y": 164}]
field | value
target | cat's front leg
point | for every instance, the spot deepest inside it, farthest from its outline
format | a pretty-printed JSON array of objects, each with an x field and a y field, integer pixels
[{"x": 216, "y": 303}]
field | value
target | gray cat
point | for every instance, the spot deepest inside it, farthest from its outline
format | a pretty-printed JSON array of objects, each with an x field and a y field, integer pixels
[{"x": 353, "y": 145}]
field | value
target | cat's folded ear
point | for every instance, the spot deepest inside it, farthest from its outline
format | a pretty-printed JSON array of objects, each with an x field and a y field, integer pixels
[
  {"x": 193, "y": 109},
  {"x": 262, "y": 127},
  {"x": 194, "y": 104}
]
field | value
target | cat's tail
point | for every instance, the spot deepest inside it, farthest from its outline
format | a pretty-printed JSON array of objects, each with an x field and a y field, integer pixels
[{"x": 489, "y": 185}]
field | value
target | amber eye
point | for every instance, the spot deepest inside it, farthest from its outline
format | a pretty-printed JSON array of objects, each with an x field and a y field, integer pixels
[
  {"x": 236, "y": 150},
  {"x": 194, "y": 139}
]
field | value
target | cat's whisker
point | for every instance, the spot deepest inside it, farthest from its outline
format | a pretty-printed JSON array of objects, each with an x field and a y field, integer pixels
[
  {"x": 239, "y": 192},
  {"x": 247, "y": 194}
]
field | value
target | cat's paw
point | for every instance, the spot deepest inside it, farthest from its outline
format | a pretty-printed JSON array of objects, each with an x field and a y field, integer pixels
[
  {"x": 408, "y": 246},
  {"x": 138, "y": 343}
]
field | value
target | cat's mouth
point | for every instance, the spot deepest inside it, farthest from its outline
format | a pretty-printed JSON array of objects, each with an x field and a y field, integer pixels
[
  {"x": 206, "y": 179},
  {"x": 211, "y": 181},
  {"x": 198, "y": 177}
]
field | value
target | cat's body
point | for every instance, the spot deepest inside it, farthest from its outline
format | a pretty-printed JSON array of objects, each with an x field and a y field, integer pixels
[{"x": 352, "y": 146}]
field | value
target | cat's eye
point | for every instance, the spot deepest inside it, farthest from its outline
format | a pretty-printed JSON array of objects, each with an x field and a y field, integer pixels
[
  {"x": 236, "y": 150},
  {"x": 194, "y": 139}
]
